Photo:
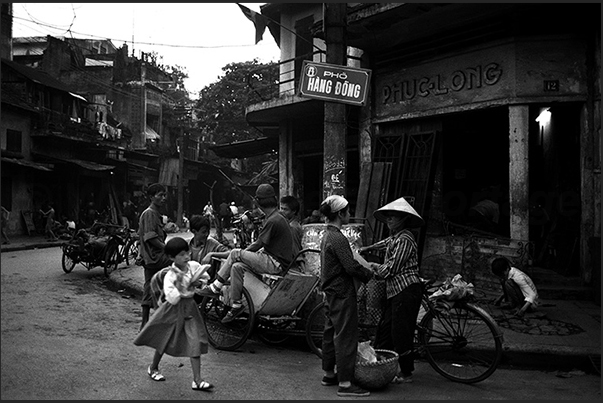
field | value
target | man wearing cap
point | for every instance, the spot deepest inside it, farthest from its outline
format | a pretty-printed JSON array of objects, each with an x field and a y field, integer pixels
[
  {"x": 400, "y": 270},
  {"x": 270, "y": 253}
]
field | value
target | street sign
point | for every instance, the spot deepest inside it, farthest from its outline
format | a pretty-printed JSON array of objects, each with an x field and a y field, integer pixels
[{"x": 331, "y": 82}]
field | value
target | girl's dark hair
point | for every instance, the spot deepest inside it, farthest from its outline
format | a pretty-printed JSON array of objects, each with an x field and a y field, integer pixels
[
  {"x": 155, "y": 188},
  {"x": 198, "y": 221},
  {"x": 499, "y": 265},
  {"x": 175, "y": 245},
  {"x": 325, "y": 209}
]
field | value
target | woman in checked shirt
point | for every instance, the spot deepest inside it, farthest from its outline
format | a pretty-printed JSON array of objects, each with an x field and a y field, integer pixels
[{"x": 400, "y": 270}]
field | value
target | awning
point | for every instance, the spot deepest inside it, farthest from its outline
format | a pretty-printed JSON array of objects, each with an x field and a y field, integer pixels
[
  {"x": 28, "y": 164},
  {"x": 151, "y": 134},
  {"x": 78, "y": 96},
  {"x": 92, "y": 166},
  {"x": 246, "y": 148}
]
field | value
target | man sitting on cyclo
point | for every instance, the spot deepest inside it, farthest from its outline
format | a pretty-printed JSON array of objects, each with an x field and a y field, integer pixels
[{"x": 270, "y": 253}]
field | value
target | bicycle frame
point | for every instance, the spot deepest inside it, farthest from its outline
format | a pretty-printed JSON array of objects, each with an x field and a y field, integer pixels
[{"x": 459, "y": 339}]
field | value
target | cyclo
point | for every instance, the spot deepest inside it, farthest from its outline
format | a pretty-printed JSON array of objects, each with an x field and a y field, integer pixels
[
  {"x": 276, "y": 307},
  {"x": 103, "y": 244}
]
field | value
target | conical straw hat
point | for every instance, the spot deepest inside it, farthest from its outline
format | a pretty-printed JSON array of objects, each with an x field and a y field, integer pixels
[{"x": 400, "y": 206}]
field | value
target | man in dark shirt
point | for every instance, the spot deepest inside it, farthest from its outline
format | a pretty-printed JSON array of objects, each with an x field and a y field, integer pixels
[{"x": 270, "y": 253}]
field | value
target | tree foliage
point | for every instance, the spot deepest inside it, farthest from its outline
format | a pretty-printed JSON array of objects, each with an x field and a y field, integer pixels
[{"x": 223, "y": 103}]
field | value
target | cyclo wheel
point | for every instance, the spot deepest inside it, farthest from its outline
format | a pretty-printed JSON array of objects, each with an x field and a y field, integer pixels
[
  {"x": 269, "y": 332},
  {"x": 112, "y": 258},
  {"x": 131, "y": 251},
  {"x": 315, "y": 326},
  {"x": 229, "y": 336},
  {"x": 67, "y": 263},
  {"x": 462, "y": 343}
]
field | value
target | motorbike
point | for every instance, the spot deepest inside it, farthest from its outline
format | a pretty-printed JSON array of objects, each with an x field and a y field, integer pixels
[{"x": 246, "y": 228}]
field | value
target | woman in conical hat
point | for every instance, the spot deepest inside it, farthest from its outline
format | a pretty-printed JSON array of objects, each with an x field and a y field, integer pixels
[{"x": 400, "y": 270}]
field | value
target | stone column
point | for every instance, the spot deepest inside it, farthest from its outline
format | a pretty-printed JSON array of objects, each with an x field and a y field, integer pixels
[{"x": 519, "y": 190}]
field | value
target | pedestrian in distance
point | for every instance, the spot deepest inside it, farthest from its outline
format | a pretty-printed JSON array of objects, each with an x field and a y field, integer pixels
[
  {"x": 48, "y": 213},
  {"x": 5, "y": 215},
  {"x": 233, "y": 209},
  {"x": 152, "y": 241},
  {"x": 208, "y": 211},
  {"x": 225, "y": 215},
  {"x": 400, "y": 270},
  {"x": 270, "y": 253},
  {"x": 340, "y": 274},
  {"x": 518, "y": 288},
  {"x": 176, "y": 327}
]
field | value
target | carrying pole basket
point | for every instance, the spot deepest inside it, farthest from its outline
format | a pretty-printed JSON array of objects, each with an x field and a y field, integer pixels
[{"x": 376, "y": 375}]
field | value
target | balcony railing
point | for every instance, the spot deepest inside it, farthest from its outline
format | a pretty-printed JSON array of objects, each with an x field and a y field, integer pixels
[{"x": 287, "y": 81}]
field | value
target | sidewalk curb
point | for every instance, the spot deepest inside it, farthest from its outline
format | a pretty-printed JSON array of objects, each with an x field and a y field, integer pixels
[{"x": 13, "y": 248}]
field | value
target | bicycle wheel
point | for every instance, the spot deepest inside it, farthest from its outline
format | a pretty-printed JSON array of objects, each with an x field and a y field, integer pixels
[
  {"x": 112, "y": 258},
  {"x": 131, "y": 251},
  {"x": 315, "y": 327},
  {"x": 67, "y": 263},
  {"x": 229, "y": 336},
  {"x": 270, "y": 332},
  {"x": 462, "y": 343}
]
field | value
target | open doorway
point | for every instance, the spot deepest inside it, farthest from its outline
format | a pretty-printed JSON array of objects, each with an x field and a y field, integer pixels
[
  {"x": 555, "y": 202},
  {"x": 476, "y": 169}
]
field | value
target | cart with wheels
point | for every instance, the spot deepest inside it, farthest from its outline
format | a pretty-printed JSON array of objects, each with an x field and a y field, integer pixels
[{"x": 274, "y": 307}]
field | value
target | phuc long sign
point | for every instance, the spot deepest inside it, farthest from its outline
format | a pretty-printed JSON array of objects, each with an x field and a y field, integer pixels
[{"x": 331, "y": 82}]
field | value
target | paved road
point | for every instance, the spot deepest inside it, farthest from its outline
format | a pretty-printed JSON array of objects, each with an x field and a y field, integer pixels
[{"x": 67, "y": 336}]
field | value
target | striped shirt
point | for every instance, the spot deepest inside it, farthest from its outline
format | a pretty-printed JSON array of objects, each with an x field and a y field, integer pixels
[
  {"x": 400, "y": 267},
  {"x": 338, "y": 266}
]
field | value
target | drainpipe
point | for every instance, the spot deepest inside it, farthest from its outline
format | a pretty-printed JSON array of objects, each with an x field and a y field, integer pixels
[{"x": 335, "y": 121}]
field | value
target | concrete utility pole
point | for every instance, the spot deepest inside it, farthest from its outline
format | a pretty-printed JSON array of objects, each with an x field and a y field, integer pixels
[
  {"x": 335, "y": 121},
  {"x": 179, "y": 222}
]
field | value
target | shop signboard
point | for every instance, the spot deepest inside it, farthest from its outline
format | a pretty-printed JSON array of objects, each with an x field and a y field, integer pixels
[{"x": 331, "y": 82}]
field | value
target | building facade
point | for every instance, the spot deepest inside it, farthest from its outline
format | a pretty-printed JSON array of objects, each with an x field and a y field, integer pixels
[{"x": 466, "y": 102}]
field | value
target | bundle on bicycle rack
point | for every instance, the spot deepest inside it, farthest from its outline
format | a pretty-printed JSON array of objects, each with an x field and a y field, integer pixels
[{"x": 453, "y": 289}]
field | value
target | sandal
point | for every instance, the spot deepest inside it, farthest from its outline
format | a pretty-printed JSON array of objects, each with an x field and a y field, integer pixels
[
  {"x": 155, "y": 374},
  {"x": 204, "y": 386}
]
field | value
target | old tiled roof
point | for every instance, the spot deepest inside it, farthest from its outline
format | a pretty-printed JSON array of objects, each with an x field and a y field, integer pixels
[{"x": 37, "y": 76}]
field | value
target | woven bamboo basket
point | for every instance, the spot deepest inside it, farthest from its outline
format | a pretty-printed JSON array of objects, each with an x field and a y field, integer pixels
[{"x": 376, "y": 375}]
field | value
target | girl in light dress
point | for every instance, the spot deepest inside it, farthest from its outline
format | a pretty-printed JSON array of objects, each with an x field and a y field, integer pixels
[{"x": 176, "y": 327}]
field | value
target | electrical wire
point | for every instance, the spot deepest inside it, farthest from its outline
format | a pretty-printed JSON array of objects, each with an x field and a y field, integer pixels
[{"x": 137, "y": 42}]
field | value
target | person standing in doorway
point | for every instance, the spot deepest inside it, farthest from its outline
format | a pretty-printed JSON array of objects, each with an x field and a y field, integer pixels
[
  {"x": 338, "y": 277},
  {"x": 400, "y": 270}
]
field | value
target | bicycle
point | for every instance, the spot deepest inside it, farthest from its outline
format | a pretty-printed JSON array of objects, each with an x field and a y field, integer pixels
[{"x": 459, "y": 339}]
